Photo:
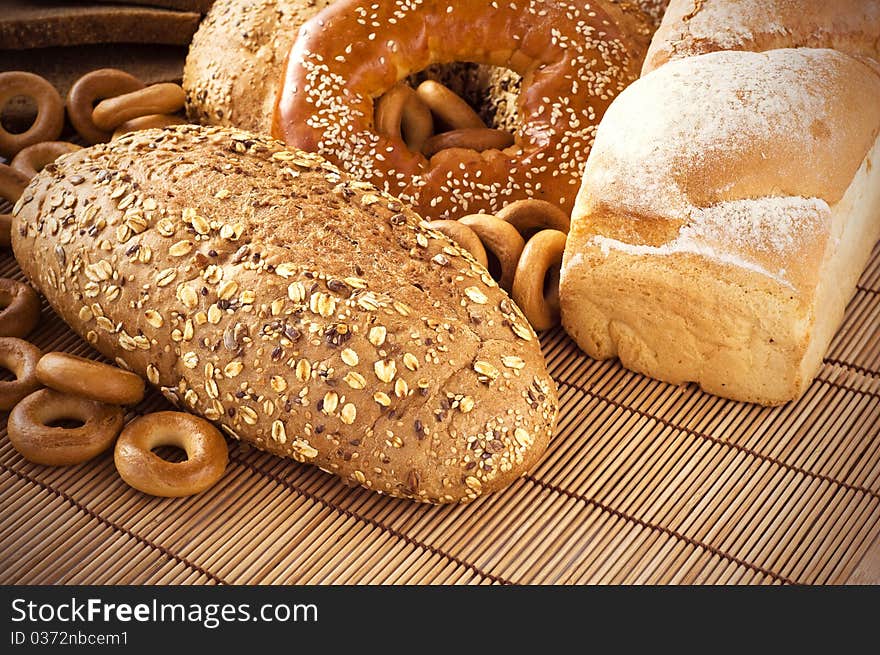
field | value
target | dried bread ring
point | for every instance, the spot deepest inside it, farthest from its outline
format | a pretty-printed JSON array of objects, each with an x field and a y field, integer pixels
[
  {"x": 90, "y": 379},
  {"x": 97, "y": 85},
  {"x": 21, "y": 308},
  {"x": 448, "y": 106},
  {"x": 473, "y": 138},
  {"x": 32, "y": 433},
  {"x": 49, "y": 122},
  {"x": 206, "y": 451},
  {"x": 20, "y": 358},
  {"x": 165, "y": 98},
  {"x": 12, "y": 183},
  {"x": 5, "y": 230},
  {"x": 542, "y": 255},
  {"x": 147, "y": 122},
  {"x": 533, "y": 214},
  {"x": 31, "y": 160},
  {"x": 464, "y": 237},
  {"x": 400, "y": 114},
  {"x": 501, "y": 239}
]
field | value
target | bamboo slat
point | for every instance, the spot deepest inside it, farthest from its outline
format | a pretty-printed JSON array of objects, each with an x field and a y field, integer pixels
[{"x": 644, "y": 482}]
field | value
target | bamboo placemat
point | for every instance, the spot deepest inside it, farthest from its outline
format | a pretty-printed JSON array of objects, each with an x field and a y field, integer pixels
[{"x": 643, "y": 483}]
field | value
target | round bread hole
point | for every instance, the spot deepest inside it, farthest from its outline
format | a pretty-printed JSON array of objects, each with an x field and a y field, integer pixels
[
  {"x": 65, "y": 423},
  {"x": 6, "y": 375},
  {"x": 171, "y": 454},
  {"x": 492, "y": 91},
  {"x": 17, "y": 115}
]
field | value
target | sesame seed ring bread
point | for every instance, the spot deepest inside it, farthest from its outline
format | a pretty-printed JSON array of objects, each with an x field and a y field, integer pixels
[
  {"x": 206, "y": 452},
  {"x": 474, "y": 138},
  {"x": 49, "y": 122},
  {"x": 20, "y": 358},
  {"x": 502, "y": 240},
  {"x": 146, "y": 123},
  {"x": 305, "y": 312},
  {"x": 20, "y": 311},
  {"x": 573, "y": 63},
  {"x": 32, "y": 433},
  {"x": 32, "y": 159},
  {"x": 164, "y": 98},
  {"x": 464, "y": 237},
  {"x": 91, "y": 87},
  {"x": 542, "y": 255},
  {"x": 90, "y": 379},
  {"x": 401, "y": 114}
]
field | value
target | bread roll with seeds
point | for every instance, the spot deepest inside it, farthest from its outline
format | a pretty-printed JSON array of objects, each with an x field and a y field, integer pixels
[
  {"x": 305, "y": 312},
  {"x": 236, "y": 59}
]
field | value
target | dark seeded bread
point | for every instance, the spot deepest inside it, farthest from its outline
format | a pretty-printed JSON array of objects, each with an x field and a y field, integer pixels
[
  {"x": 45, "y": 24},
  {"x": 305, "y": 312},
  {"x": 200, "y": 6}
]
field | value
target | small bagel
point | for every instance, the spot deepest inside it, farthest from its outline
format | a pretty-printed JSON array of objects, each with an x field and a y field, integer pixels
[
  {"x": 474, "y": 138},
  {"x": 542, "y": 254},
  {"x": 32, "y": 435},
  {"x": 49, "y": 122},
  {"x": 21, "y": 308},
  {"x": 32, "y": 159},
  {"x": 448, "y": 106},
  {"x": 389, "y": 110},
  {"x": 417, "y": 123},
  {"x": 502, "y": 239},
  {"x": 206, "y": 451},
  {"x": 12, "y": 183},
  {"x": 5, "y": 230},
  {"x": 400, "y": 114},
  {"x": 464, "y": 237},
  {"x": 97, "y": 85},
  {"x": 532, "y": 214},
  {"x": 90, "y": 379},
  {"x": 165, "y": 98},
  {"x": 20, "y": 358},
  {"x": 146, "y": 123}
]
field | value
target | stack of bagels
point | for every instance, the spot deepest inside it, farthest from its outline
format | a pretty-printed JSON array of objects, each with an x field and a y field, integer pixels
[{"x": 721, "y": 183}]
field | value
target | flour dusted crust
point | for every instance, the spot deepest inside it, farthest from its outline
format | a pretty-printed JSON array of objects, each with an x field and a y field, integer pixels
[
  {"x": 303, "y": 311},
  {"x": 693, "y": 27},
  {"x": 729, "y": 205},
  {"x": 236, "y": 60}
]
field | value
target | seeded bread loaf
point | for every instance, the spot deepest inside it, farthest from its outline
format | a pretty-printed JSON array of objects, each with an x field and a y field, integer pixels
[{"x": 303, "y": 311}]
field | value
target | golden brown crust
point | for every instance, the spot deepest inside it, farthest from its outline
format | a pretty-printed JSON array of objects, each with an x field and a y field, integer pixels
[
  {"x": 573, "y": 62},
  {"x": 307, "y": 313},
  {"x": 236, "y": 58},
  {"x": 691, "y": 28}
]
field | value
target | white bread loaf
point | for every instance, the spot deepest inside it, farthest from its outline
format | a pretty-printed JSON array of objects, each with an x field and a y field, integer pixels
[
  {"x": 728, "y": 207},
  {"x": 694, "y": 28}
]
